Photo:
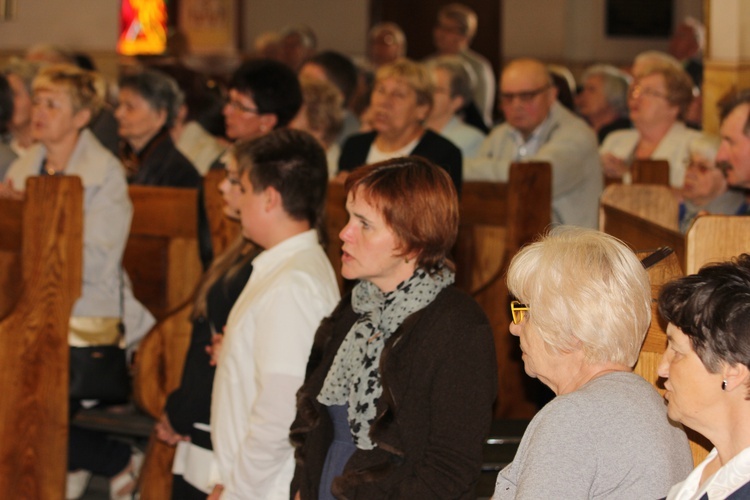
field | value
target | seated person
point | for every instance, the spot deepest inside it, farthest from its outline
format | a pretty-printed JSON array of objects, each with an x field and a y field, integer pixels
[
  {"x": 585, "y": 307},
  {"x": 705, "y": 188},
  {"x": 321, "y": 116},
  {"x": 657, "y": 102},
  {"x": 706, "y": 368},
  {"x": 7, "y": 155},
  {"x": 603, "y": 99},
  {"x": 269, "y": 332},
  {"x": 20, "y": 74},
  {"x": 538, "y": 128},
  {"x": 452, "y": 94},
  {"x": 148, "y": 102},
  {"x": 386, "y": 42},
  {"x": 400, "y": 104}
]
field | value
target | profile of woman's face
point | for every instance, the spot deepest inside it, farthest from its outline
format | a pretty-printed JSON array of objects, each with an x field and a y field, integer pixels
[
  {"x": 691, "y": 389},
  {"x": 138, "y": 122},
  {"x": 230, "y": 189},
  {"x": 394, "y": 107},
  {"x": 21, "y": 102},
  {"x": 52, "y": 117},
  {"x": 539, "y": 360},
  {"x": 371, "y": 250}
]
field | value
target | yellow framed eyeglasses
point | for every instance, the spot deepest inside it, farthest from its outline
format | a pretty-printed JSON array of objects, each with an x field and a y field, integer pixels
[{"x": 518, "y": 311}]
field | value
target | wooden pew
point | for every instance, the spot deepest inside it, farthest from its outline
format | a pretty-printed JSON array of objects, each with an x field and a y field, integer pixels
[
  {"x": 47, "y": 231},
  {"x": 654, "y": 172},
  {"x": 497, "y": 219},
  {"x": 646, "y": 217},
  {"x": 161, "y": 256},
  {"x": 656, "y": 342}
]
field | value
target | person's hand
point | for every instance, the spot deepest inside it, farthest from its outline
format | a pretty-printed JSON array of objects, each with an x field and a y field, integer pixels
[
  {"x": 297, "y": 496},
  {"x": 165, "y": 432},
  {"x": 215, "y": 348},
  {"x": 216, "y": 493},
  {"x": 341, "y": 177},
  {"x": 7, "y": 191},
  {"x": 613, "y": 166}
]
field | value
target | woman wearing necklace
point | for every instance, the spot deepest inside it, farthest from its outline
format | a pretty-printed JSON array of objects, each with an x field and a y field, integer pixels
[
  {"x": 402, "y": 375},
  {"x": 401, "y": 101},
  {"x": 585, "y": 306},
  {"x": 706, "y": 368}
]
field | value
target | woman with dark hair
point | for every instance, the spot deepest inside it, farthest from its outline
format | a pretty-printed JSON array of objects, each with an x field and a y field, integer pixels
[
  {"x": 706, "y": 368},
  {"x": 148, "y": 103},
  {"x": 402, "y": 376}
]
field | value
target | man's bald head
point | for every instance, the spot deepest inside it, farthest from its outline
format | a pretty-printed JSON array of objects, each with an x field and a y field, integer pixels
[{"x": 526, "y": 94}]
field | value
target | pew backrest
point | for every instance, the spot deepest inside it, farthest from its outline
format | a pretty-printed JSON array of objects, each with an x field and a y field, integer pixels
[
  {"x": 161, "y": 256},
  {"x": 47, "y": 228}
]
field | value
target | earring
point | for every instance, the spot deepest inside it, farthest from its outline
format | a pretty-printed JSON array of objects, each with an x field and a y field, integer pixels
[
  {"x": 406, "y": 260},
  {"x": 724, "y": 385}
]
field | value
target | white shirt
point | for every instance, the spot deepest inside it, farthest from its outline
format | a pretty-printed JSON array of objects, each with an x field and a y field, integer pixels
[
  {"x": 377, "y": 155},
  {"x": 198, "y": 146},
  {"x": 724, "y": 482},
  {"x": 262, "y": 363}
]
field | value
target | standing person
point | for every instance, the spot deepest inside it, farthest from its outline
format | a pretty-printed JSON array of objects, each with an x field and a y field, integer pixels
[
  {"x": 402, "y": 376},
  {"x": 64, "y": 99},
  {"x": 585, "y": 307},
  {"x": 706, "y": 368},
  {"x": 148, "y": 103},
  {"x": 454, "y": 30},
  {"x": 538, "y": 128},
  {"x": 269, "y": 332},
  {"x": 734, "y": 152},
  {"x": 185, "y": 421}
]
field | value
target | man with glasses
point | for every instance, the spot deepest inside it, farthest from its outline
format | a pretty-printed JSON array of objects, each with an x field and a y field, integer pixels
[{"x": 538, "y": 128}]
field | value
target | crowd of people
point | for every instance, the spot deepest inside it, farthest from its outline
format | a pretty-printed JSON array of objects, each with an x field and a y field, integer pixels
[{"x": 292, "y": 391}]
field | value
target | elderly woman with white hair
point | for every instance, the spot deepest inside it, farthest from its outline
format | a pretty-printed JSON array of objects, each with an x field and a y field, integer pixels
[
  {"x": 585, "y": 306},
  {"x": 603, "y": 99},
  {"x": 705, "y": 189}
]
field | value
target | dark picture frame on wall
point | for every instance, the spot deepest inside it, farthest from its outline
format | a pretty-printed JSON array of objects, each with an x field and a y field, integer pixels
[{"x": 639, "y": 18}]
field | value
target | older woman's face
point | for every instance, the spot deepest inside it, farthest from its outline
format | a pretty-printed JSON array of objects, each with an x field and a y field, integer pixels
[
  {"x": 230, "y": 189},
  {"x": 691, "y": 389},
  {"x": 370, "y": 248},
  {"x": 138, "y": 121},
  {"x": 395, "y": 111},
  {"x": 648, "y": 103},
  {"x": 703, "y": 181},
  {"x": 52, "y": 117},
  {"x": 539, "y": 361}
]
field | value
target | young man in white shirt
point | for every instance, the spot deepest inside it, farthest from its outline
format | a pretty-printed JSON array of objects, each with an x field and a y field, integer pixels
[{"x": 269, "y": 333}]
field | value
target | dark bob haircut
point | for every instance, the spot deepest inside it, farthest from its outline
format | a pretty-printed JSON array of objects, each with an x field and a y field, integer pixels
[
  {"x": 419, "y": 203},
  {"x": 294, "y": 164},
  {"x": 272, "y": 85},
  {"x": 713, "y": 309}
]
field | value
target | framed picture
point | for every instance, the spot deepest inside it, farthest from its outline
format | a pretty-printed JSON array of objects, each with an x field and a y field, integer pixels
[
  {"x": 640, "y": 18},
  {"x": 210, "y": 26},
  {"x": 143, "y": 27}
]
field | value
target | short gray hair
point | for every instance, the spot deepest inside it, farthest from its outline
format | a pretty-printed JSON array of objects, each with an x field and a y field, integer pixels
[
  {"x": 585, "y": 289},
  {"x": 460, "y": 81},
  {"x": 158, "y": 89},
  {"x": 615, "y": 84}
]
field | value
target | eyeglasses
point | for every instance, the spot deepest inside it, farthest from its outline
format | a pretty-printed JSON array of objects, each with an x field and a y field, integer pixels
[
  {"x": 636, "y": 91},
  {"x": 518, "y": 311},
  {"x": 525, "y": 97},
  {"x": 700, "y": 166},
  {"x": 238, "y": 106}
]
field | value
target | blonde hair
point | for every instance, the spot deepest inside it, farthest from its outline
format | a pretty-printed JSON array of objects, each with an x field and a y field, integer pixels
[
  {"x": 585, "y": 290},
  {"x": 414, "y": 74},
  {"x": 323, "y": 107},
  {"x": 81, "y": 85}
]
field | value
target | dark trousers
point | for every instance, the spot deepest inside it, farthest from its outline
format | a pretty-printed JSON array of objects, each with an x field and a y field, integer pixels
[{"x": 94, "y": 451}]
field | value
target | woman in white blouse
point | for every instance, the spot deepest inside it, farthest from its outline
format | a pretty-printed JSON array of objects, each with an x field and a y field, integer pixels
[{"x": 707, "y": 372}]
